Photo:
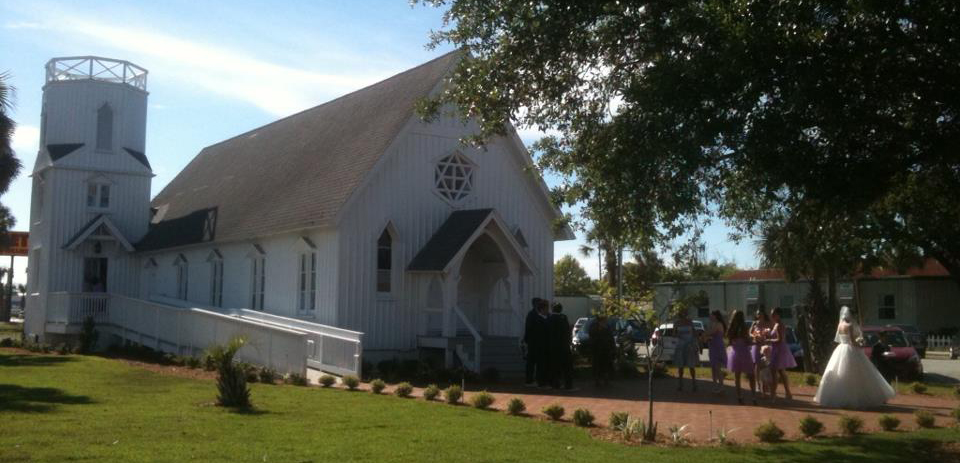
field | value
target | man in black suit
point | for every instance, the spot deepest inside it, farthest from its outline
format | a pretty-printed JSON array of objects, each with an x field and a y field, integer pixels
[
  {"x": 562, "y": 359},
  {"x": 535, "y": 339},
  {"x": 877, "y": 355}
]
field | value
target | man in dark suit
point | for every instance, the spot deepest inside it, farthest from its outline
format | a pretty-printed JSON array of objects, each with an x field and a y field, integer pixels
[
  {"x": 534, "y": 340},
  {"x": 558, "y": 327},
  {"x": 877, "y": 355}
]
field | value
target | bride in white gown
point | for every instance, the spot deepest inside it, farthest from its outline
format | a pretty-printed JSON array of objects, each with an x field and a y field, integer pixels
[{"x": 851, "y": 380}]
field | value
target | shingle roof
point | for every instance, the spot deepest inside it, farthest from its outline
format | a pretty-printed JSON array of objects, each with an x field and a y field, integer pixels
[
  {"x": 929, "y": 268},
  {"x": 447, "y": 241},
  {"x": 296, "y": 172}
]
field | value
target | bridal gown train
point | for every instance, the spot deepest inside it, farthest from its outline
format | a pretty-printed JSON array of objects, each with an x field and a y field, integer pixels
[{"x": 851, "y": 380}]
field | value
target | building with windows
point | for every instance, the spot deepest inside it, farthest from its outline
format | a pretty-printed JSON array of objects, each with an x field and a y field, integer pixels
[
  {"x": 355, "y": 215},
  {"x": 924, "y": 296}
]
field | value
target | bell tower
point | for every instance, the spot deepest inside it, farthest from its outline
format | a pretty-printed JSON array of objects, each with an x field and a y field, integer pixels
[{"x": 91, "y": 185}]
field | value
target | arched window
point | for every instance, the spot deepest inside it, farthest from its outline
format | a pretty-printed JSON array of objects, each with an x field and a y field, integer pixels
[
  {"x": 216, "y": 278},
  {"x": 258, "y": 276},
  {"x": 183, "y": 277},
  {"x": 384, "y": 262},
  {"x": 105, "y": 128}
]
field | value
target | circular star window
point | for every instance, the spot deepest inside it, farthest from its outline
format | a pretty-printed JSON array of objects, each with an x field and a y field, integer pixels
[{"x": 453, "y": 177}]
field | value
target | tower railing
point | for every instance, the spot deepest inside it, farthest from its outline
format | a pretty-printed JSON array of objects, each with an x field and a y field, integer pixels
[{"x": 96, "y": 68}]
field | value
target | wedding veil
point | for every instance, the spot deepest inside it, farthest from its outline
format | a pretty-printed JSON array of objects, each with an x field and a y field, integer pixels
[{"x": 847, "y": 315}]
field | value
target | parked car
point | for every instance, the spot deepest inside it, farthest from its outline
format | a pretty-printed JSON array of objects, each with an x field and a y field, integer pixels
[
  {"x": 916, "y": 337},
  {"x": 664, "y": 342},
  {"x": 624, "y": 331},
  {"x": 903, "y": 359}
]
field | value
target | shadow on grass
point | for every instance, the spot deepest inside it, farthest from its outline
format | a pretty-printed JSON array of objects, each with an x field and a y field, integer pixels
[
  {"x": 855, "y": 450},
  {"x": 36, "y": 399},
  {"x": 20, "y": 360},
  {"x": 252, "y": 411}
]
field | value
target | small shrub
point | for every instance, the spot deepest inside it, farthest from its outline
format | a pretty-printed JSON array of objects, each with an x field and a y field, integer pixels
[
  {"x": 231, "y": 379},
  {"x": 482, "y": 400},
  {"x": 268, "y": 375},
  {"x": 634, "y": 427},
  {"x": 251, "y": 372},
  {"x": 6, "y": 342},
  {"x": 516, "y": 406},
  {"x": 918, "y": 388},
  {"x": 63, "y": 349},
  {"x": 453, "y": 394},
  {"x": 209, "y": 363},
  {"x": 193, "y": 362},
  {"x": 377, "y": 385},
  {"x": 679, "y": 434},
  {"x": 583, "y": 418},
  {"x": 403, "y": 390},
  {"x": 956, "y": 414},
  {"x": 328, "y": 380},
  {"x": 850, "y": 425},
  {"x": 810, "y": 380},
  {"x": 768, "y": 432},
  {"x": 296, "y": 379},
  {"x": 810, "y": 426},
  {"x": 88, "y": 336},
  {"x": 554, "y": 412},
  {"x": 618, "y": 419},
  {"x": 431, "y": 392},
  {"x": 956, "y": 392},
  {"x": 925, "y": 419},
  {"x": 888, "y": 422},
  {"x": 722, "y": 436},
  {"x": 351, "y": 381}
]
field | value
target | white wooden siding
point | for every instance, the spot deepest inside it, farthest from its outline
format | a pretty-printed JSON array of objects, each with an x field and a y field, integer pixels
[{"x": 400, "y": 191}]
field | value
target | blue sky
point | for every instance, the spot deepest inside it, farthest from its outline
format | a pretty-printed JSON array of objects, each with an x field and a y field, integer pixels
[{"x": 217, "y": 70}]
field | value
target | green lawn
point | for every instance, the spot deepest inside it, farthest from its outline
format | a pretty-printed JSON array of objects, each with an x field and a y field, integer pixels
[
  {"x": 59, "y": 408},
  {"x": 10, "y": 330}
]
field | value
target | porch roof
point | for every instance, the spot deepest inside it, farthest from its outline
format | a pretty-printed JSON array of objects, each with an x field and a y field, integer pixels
[
  {"x": 94, "y": 225},
  {"x": 455, "y": 235}
]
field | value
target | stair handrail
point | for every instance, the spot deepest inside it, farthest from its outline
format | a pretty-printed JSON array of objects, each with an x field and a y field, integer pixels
[{"x": 477, "y": 338}]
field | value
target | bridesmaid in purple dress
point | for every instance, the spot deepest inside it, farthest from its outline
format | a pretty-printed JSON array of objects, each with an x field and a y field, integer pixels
[
  {"x": 782, "y": 357},
  {"x": 759, "y": 331},
  {"x": 739, "y": 357},
  {"x": 718, "y": 355}
]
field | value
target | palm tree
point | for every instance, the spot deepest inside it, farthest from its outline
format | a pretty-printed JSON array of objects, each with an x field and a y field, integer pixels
[
  {"x": 9, "y": 164},
  {"x": 231, "y": 378}
]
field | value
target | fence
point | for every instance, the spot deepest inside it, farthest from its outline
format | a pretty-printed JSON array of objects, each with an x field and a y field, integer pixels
[{"x": 941, "y": 342}]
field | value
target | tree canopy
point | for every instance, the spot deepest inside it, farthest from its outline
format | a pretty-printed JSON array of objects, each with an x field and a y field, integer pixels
[
  {"x": 570, "y": 279},
  {"x": 9, "y": 164},
  {"x": 666, "y": 112}
]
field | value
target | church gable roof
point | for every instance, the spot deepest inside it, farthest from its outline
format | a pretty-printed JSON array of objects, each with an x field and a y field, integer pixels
[{"x": 299, "y": 171}]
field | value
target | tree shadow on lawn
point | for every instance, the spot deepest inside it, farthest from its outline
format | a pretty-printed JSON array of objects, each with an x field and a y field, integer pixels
[
  {"x": 36, "y": 399},
  {"x": 873, "y": 449},
  {"x": 21, "y": 360}
]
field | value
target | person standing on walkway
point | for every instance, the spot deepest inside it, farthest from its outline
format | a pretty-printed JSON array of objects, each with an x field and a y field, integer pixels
[
  {"x": 687, "y": 352},
  {"x": 718, "y": 354},
  {"x": 603, "y": 347},
  {"x": 559, "y": 351},
  {"x": 535, "y": 340},
  {"x": 759, "y": 331},
  {"x": 782, "y": 357},
  {"x": 739, "y": 357}
]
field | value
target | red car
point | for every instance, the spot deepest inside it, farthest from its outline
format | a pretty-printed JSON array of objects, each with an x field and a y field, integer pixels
[{"x": 902, "y": 359}]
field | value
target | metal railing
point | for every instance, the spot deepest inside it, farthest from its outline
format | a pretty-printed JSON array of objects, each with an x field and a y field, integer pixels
[{"x": 96, "y": 68}]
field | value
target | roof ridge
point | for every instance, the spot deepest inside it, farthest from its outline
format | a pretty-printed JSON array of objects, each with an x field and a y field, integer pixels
[{"x": 362, "y": 89}]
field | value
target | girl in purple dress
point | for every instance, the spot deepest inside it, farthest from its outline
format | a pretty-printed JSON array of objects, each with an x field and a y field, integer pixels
[
  {"x": 759, "y": 331},
  {"x": 739, "y": 357},
  {"x": 718, "y": 355},
  {"x": 782, "y": 357}
]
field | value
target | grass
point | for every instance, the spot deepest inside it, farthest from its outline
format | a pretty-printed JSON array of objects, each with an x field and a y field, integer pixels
[
  {"x": 10, "y": 330},
  {"x": 67, "y": 408}
]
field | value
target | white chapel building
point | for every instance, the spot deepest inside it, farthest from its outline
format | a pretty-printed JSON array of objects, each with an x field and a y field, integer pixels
[{"x": 351, "y": 229}]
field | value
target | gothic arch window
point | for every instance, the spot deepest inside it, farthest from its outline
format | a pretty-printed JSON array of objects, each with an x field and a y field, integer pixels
[
  {"x": 105, "y": 128},
  {"x": 216, "y": 278},
  {"x": 385, "y": 256},
  {"x": 453, "y": 177},
  {"x": 183, "y": 276}
]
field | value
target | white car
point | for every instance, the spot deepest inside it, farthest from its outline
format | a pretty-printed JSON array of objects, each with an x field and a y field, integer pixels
[{"x": 664, "y": 340}]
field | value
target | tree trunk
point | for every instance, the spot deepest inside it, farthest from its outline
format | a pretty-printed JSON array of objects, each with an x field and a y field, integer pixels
[
  {"x": 610, "y": 264},
  {"x": 821, "y": 324}
]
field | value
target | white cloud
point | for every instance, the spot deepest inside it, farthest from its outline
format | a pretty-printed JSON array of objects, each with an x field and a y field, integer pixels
[
  {"x": 229, "y": 72},
  {"x": 23, "y": 25},
  {"x": 26, "y": 140}
]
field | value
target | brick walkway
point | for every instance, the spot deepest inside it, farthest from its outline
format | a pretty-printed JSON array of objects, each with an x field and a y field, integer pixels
[{"x": 694, "y": 408}]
